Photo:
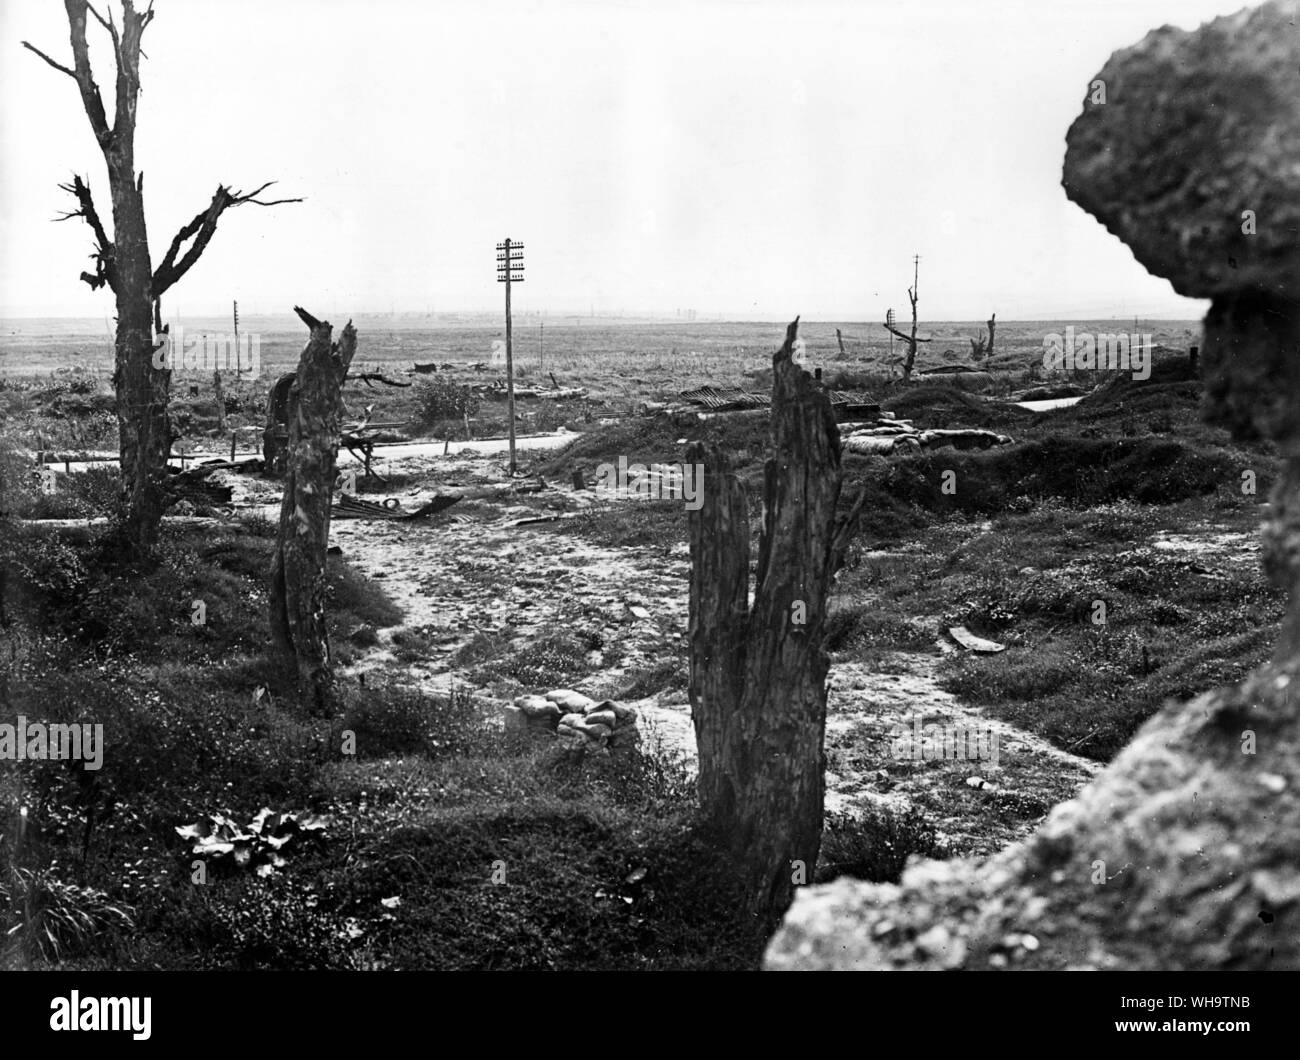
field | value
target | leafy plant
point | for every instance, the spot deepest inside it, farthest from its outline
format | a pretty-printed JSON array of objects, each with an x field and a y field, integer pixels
[
  {"x": 444, "y": 400},
  {"x": 256, "y": 845}
]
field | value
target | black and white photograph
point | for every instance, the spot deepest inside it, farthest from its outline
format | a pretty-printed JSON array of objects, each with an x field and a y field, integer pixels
[{"x": 606, "y": 486}]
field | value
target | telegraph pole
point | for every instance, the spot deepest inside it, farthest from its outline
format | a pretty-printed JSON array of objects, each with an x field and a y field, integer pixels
[
  {"x": 510, "y": 269},
  {"x": 237, "y": 367}
]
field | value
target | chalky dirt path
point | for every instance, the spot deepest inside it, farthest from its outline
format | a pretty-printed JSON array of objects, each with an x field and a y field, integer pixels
[{"x": 473, "y": 571}]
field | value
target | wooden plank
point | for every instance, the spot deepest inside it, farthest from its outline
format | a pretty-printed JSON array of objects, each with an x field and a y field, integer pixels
[{"x": 968, "y": 640}]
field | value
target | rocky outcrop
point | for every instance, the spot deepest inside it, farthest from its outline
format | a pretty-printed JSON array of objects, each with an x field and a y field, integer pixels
[
  {"x": 1184, "y": 852},
  {"x": 1196, "y": 129}
]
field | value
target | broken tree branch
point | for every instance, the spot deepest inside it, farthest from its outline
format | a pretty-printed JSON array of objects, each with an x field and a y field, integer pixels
[
  {"x": 902, "y": 334},
  {"x": 108, "y": 25},
  {"x": 58, "y": 66},
  {"x": 306, "y": 317},
  {"x": 201, "y": 230},
  {"x": 105, "y": 273},
  {"x": 91, "y": 100},
  {"x": 370, "y": 378}
]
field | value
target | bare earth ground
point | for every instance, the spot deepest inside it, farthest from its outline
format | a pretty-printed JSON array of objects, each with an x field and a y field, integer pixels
[{"x": 472, "y": 571}]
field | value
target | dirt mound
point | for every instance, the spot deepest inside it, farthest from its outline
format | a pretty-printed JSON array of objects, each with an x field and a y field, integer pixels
[
  {"x": 937, "y": 405},
  {"x": 1077, "y": 470},
  {"x": 1174, "y": 385},
  {"x": 657, "y": 439}
]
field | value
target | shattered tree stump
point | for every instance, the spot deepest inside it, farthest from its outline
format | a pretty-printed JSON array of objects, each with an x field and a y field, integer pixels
[
  {"x": 758, "y": 671},
  {"x": 298, "y": 584},
  {"x": 275, "y": 436},
  {"x": 1184, "y": 853}
]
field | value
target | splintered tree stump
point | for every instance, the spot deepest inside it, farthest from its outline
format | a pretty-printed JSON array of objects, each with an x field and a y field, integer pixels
[
  {"x": 758, "y": 672},
  {"x": 275, "y": 437},
  {"x": 298, "y": 582}
]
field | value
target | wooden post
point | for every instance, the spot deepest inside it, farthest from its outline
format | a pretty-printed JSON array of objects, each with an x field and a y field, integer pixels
[
  {"x": 510, "y": 261},
  {"x": 221, "y": 398},
  {"x": 510, "y": 367}
]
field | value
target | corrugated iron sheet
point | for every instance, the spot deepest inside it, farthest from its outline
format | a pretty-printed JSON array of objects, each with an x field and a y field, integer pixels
[{"x": 724, "y": 399}]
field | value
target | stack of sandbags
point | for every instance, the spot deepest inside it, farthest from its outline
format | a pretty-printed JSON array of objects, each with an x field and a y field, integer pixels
[
  {"x": 606, "y": 725},
  {"x": 533, "y": 712},
  {"x": 578, "y": 720}
]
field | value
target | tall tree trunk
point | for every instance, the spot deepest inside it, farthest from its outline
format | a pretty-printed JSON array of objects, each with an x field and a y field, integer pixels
[
  {"x": 758, "y": 673},
  {"x": 298, "y": 582},
  {"x": 911, "y": 342},
  {"x": 142, "y": 381},
  {"x": 141, "y": 374}
]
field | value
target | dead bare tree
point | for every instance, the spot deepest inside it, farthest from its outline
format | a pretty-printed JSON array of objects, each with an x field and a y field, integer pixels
[
  {"x": 981, "y": 345},
  {"x": 911, "y": 340},
  {"x": 141, "y": 373},
  {"x": 298, "y": 583},
  {"x": 758, "y": 673}
]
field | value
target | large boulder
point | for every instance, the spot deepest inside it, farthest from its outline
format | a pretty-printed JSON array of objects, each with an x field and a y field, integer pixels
[{"x": 1196, "y": 129}]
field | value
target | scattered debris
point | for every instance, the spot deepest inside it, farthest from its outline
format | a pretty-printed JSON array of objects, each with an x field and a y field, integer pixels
[
  {"x": 447, "y": 366},
  {"x": 888, "y": 436},
  {"x": 968, "y": 640},
  {"x": 958, "y": 375},
  {"x": 350, "y": 507},
  {"x": 497, "y": 391}
]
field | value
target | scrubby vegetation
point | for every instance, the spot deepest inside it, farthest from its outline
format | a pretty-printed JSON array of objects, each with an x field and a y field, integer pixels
[{"x": 228, "y": 830}]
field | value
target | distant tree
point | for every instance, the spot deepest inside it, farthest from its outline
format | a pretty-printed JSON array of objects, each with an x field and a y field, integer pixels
[
  {"x": 142, "y": 380},
  {"x": 981, "y": 345},
  {"x": 909, "y": 358}
]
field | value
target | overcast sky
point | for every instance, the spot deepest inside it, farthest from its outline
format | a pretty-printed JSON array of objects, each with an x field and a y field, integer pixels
[{"x": 750, "y": 159}]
